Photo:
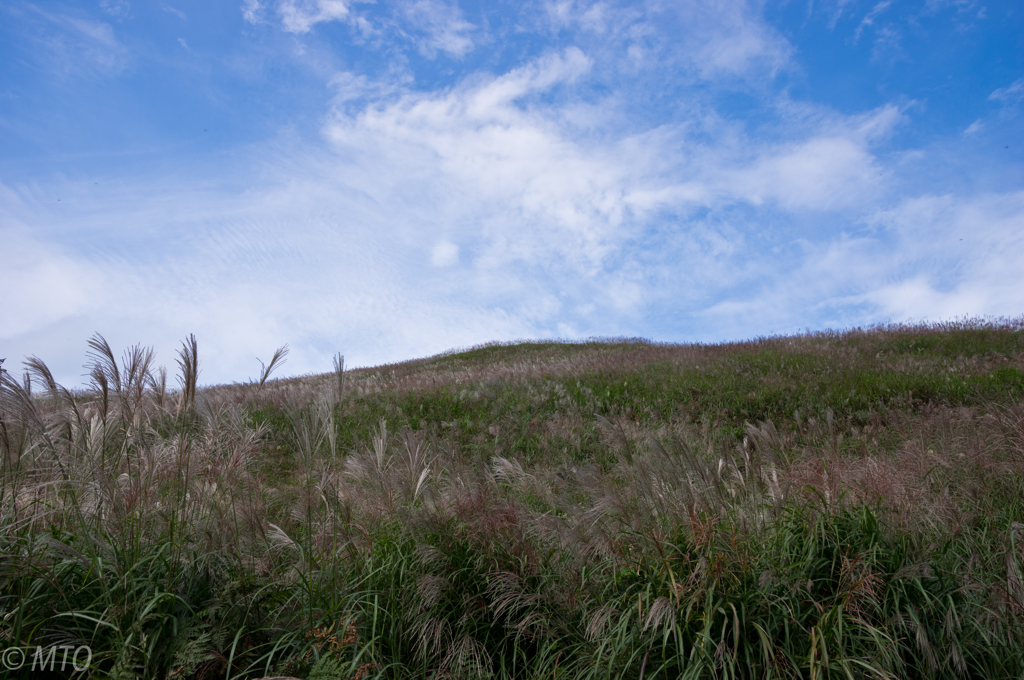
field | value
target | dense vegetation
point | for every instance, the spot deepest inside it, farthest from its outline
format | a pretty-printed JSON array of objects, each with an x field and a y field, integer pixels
[{"x": 827, "y": 505}]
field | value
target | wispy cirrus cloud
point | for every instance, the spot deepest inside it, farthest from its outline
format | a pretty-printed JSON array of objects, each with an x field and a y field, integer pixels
[
  {"x": 175, "y": 11},
  {"x": 431, "y": 25},
  {"x": 299, "y": 16},
  {"x": 929, "y": 257},
  {"x": 831, "y": 167},
  {"x": 116, "y": 8},
  {"x": 442, "y": 26},
  {"x": 71, "y": 42},
  {"x": 705, "y": 39},
  {"x": 296, "y": 16},
  {"x": 1011, "y": 94},
  {"x": 953, "y": 256},
  {"x": 731, "y": 38},
  {"x": 870, "y": 17}
]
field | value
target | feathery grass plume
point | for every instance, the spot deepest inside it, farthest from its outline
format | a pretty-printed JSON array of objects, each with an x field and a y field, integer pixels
[
  {"x": 158, "y": 384},
  {"x": 188, "y": 362},
  {"x": 104, "y": 363},
  {"x": 339, "y": 374},
  {"x": 46, "y": 431},
  {"x": 275, "y": 361}
]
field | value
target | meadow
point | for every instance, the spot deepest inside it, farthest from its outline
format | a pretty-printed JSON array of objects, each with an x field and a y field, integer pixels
[{"x": 829, "y": 505}]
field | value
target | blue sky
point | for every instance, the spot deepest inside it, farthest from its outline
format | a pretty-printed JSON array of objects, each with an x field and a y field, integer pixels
[{"x": 393, "y": 179}]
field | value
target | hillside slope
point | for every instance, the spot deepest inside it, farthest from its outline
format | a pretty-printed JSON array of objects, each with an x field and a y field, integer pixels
[{"x": 833, "y": 504}]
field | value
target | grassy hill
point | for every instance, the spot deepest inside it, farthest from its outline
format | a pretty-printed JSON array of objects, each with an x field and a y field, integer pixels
[{"x": 843, "y": 504}]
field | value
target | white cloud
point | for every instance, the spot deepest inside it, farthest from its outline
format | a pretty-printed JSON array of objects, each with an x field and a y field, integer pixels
[
  {"x": 350, "y": 87},
  {"x": 834, "y": 9},
  {"x": 487, "y": 159},
  {"x": 175, "y": 11},
  {"x": 78, "y": 45},
  {"x": 731, "y": 37},
  {"x": 299, "y": 16},
  {"x": 709, "y": 39},
  {"x": 830, "y": 166},
  {"x": 444, "y": 254},
  {"x": 252, "y": 11},
  {"x": 431, "y": 25},
  {"x": 1011, "y": 94},
  {"x": 888, "y": 44},
  {"x": 869, "y": 18},
  {"x": 43, "y": 284},
  {"x": 961, "y": 6},
  {"x": 239, "y": 269},
  {"x": 477, "y": 166},
  {"x": 489, "y": 145},
  {"x": 967, "y": 250},
  {"x": 116, "y": 8},
  {"x": 918, "y": 298},
  {"x": 974, "y": 128},
  {"x": 930, "y": 257},
  {"x": 444, "y": 27},
  {"x": 597, "y": 17},
  {"x": 820, "y": 173}
]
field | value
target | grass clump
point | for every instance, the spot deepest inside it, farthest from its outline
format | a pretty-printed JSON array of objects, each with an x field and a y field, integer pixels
[{"x": 830, "y": 505}]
